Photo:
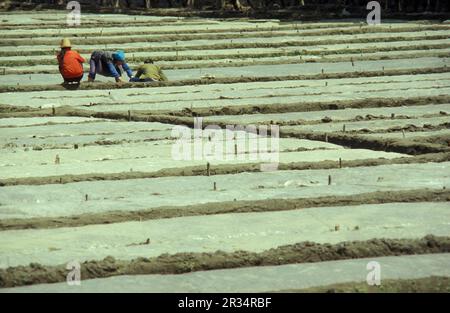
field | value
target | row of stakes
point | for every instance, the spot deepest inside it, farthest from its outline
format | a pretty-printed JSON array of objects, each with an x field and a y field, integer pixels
[
  {"x": 353, "y": 65},
  {"x": 208, "y": 173},
  {"x": 129, "y": 114}
]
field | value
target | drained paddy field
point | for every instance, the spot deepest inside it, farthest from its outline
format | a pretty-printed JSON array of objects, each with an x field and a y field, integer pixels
[{"x": 280, "y": 156}]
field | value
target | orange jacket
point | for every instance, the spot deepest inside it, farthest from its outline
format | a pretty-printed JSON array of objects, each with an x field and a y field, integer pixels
[{"x": 71, "y": 65}]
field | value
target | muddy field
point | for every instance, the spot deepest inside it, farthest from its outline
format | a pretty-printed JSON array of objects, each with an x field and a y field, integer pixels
[{"x": 360, "y": 171}]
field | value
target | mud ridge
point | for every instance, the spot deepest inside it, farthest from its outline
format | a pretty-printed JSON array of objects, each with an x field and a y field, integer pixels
[
  {"x": 233, "y": 80},
  {"x": 308, "y": 106},
  {"x": 411, "y": 128},
  {"x": 377, "y": 144},
  {"x": 303, "y": 252},
  {"x": 258, "y": 58},
  {"x": 436, "y": 139},
  {"x": 175, "y": 37},
  {"x": 270, "y": 205},
  {"x": 246, "y": 45},
  {"x": 433, "y": 284},
  {"x": 221, "y": 170},
  {"x": 205, "y": 30},
  {"x": 169, "y": 21}
]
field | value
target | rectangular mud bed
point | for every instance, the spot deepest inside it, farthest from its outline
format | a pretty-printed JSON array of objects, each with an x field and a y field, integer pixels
[
  {"x": 58, "y": 17},
  {"x": 154, "y": 155},
  {"x": 199, "y": 32},
  {"x": 131, "y": 47},
  {"x": 254, "y": 71},
  {"x": 305, "y": 99},
  {"x": 335, "y": 115},
  {"x": 97, "y": 127},
  {"x": 186, "y": 94},
  {"x": 278, "y": 97},
  {"x": 331, "y": 50},
  {"x": 420, "y": 136},
  {"x": 230, "y": 232},
  {"x": 128, "y": 134},
  {"x": 27, "y": 122},
  {"x": 370, "y": 125},
  {"x": 141, "y": 194},
  {"x": 170, "y": 26}
]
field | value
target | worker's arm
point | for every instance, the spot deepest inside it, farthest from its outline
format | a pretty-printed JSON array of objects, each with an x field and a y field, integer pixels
[
  {"x": 127, "y": 69},
  {"x": 92, "y": 69}
]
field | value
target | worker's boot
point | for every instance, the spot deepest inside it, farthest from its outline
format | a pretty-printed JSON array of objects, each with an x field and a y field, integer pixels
[{"x": 90, "y": 79}]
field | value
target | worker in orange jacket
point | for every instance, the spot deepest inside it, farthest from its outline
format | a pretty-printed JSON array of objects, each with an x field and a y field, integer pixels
[{"x": 70, "y": 63}]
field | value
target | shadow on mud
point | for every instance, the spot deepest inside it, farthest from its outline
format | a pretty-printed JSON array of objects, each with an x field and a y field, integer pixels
[{"x": 71, "y": 86}]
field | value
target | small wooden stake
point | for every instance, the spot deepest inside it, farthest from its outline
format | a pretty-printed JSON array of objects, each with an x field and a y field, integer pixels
[
  {"x": 329, "y": 180},
  {"x": 392, "y": 115},
  {"x": 215, "y": 186},
  {"x": 403, "y": 132},
  {"x": 208, "y": 169},
  {"x": 53, "y": 110},
  {"x": 75, "y": 146},
  {"x": 57, "y": 159},
  {"x": 326, "y": 137},
  {"x": 129, "y": 116},
  {"x": 343, "y": 128},
  {"x": 340, "y": 163},
  {"x": 235, "y": 149},
  {"x": 86, "y": 197},
  {"x": 337, "y": 227}
]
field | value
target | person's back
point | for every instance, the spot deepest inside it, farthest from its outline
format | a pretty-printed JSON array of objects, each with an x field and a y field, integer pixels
[
  {"x": 103, "y": 56},
  {"x": 150, "y": 71},
  {"x": 71, "y": 64}
]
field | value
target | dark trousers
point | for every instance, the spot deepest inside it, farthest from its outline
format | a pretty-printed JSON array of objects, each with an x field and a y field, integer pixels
[
  {"x": 73, "y": 80},
  {"x": 145, "y": 80},
  {"x": 98, "y": 67}
]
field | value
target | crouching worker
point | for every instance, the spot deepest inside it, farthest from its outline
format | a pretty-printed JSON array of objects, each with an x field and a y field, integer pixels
[
  {"x": 149, "y": 72},
  {"x": 70, "y": 63},
  {"x": 109, "y": 64}
]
